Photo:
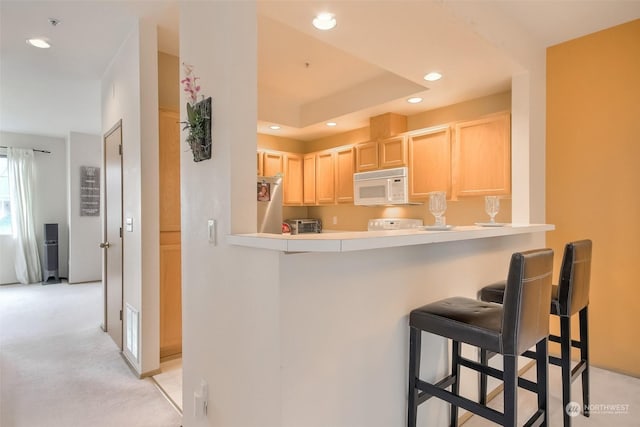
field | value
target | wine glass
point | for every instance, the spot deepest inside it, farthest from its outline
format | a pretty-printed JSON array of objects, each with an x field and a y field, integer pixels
[
  {"x": 437, "y": 206},
  {"x": 492, "y": 207}
]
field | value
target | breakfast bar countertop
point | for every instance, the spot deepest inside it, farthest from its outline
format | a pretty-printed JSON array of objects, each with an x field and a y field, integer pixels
[{"x": 344, "y": 241}]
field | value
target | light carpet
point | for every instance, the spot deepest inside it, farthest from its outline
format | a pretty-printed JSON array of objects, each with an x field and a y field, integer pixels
[{"x": 58, "y": 368}]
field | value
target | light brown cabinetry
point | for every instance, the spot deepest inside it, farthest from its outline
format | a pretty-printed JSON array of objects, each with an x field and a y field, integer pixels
[
  {"x": 325, "y": 177},
  {"x": 393, "y": 152},
  {"x": 272, "y": 163},
  {"x": 482, "y": 156},
  {"x": 309, "y": 181},
  {"x": 293, "y": 179},
  {"x": 170, "y": 251},
  {"x": 383, "y": 154},
  {"x": 259, "y": 156},
  {"x": 429, "y": 162},
  {"x": 344, "y": 165}
]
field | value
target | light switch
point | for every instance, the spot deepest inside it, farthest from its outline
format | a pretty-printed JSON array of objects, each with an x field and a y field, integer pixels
[{"x": 129, "y": 224}]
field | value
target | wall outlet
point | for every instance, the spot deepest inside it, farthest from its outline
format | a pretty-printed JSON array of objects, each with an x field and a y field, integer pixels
[
  {"x": 335, "y": 220},
  {"x": 200, "y": 400}
]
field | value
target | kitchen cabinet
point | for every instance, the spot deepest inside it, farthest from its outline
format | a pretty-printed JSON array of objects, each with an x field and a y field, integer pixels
[
  {"x": 170, "y": 250},
  {"x": 367, "y": 156},
  {"x": 325, "y": 177},
  {"x": 293, "y": 179},
  {"x": 272, "y": 163},
  {"x": 482, "y": 156},
  {"x": 393, "y": 152},
  {"x": 383, "y": 154},
  {"x": 309, "y": 180},
  {"x": 344, "y": 167},
  {"x": 429, "y": 162},
  {"x": 259, "y": 156}
]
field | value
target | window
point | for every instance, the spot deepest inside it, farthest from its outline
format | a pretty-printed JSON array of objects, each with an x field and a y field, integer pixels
[{"x": 5, "y": 203}]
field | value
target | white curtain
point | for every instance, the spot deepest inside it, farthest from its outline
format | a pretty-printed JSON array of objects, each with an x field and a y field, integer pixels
[{"x": 20, "y": 162}]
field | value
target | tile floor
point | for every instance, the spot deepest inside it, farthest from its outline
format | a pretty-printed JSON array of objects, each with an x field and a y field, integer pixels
[{"x": 170, "y": 381}]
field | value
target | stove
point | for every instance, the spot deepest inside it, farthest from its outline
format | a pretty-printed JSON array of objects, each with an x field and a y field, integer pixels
[{"x": 393, "y": 224}]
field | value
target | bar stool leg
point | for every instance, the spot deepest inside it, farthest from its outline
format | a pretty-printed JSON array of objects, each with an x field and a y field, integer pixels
[
  {"x": 584, "y": 355},
  {"x": 510, "y": 379},
  {"x": 542, "y": 378},
  {"x": 484, "y": 361},
  {"x": 415, "y": 341},
  {"x": 565, "y": 362},
  {"x": 455, "y": 372}
]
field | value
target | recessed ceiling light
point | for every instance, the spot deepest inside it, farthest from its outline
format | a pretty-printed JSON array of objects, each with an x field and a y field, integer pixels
[
  {"x": 414, "y": 100},
  {"x": 41, "y": 43},
  {"x": 332, "y": 124},
  {"x": 324, "y": 21},
  {"x": 274, "y": 127},
  {"x": 433, "y": 76}
]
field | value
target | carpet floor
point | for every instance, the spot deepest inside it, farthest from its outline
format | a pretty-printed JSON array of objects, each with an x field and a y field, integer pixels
[{"x": 58, "y": 368}]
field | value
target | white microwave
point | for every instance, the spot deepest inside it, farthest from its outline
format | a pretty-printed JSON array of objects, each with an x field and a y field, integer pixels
[{"x": 381, "y": 187}]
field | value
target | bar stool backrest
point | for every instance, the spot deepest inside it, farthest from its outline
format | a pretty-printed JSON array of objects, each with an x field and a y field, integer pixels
[
  {"x": 526, "y": 301},
  {"x": 575, "y": 274}
]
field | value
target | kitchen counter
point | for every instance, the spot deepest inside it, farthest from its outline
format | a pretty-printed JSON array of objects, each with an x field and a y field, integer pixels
[{"x": 363, "y": 240}]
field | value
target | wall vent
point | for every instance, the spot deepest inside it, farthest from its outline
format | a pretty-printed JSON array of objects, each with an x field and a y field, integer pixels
[{"x": 132, "y": 322}]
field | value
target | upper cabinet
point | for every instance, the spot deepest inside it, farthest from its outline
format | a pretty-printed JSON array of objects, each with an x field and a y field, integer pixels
[
  {"x": 393, "y": 152},
  {"x": 482, "y": 156},
  {"x": 429, "y": 162},
  {"x": 272, "y": 163},
  {"x": 293, "y": 179},
  {"x": 344, "y": 165},
  {"x": 383, "y": 154},
  {"x": 325, "y": 177},
  {"x": 309, "y": 180}
]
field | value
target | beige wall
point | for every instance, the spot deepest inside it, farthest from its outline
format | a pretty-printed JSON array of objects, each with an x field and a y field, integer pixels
[{"x": 593, "y": 124}]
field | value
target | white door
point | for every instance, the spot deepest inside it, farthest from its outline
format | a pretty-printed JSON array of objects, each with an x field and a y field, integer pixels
[{"x": 112, "y": 244}]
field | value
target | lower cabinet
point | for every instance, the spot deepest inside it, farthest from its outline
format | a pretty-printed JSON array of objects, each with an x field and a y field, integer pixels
[{"x": 170, "y": 294}]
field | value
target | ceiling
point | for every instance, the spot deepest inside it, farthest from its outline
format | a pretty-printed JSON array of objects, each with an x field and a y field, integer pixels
[{"x": 369, "y": 64}]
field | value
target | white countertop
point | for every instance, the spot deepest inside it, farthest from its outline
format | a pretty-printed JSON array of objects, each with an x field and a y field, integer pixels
[{"x": 361, "y": 240}]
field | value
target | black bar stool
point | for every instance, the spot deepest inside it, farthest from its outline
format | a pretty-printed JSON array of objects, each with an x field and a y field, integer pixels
[
  {"x": 571, "y": 296},
  {"x": 508, "y": 329}
]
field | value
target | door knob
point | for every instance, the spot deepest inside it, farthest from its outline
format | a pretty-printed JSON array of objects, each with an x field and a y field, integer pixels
[{"x": 105, "y": 245}]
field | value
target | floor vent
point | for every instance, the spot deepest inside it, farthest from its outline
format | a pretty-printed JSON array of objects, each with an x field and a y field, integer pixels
[{"x": 132, "y": 322}]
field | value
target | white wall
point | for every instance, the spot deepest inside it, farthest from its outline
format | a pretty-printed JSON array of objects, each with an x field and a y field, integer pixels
[
  {"x": 50, "y": 201},
  {"x": 230, "y": 294},
  {"x": 85, "y": 232},
  {"x": 130, "y": 93}
]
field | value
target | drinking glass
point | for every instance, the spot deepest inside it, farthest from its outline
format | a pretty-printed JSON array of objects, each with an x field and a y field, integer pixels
[
  {"x": 492, "y": 207},
  {"x": 438, "y": 205}
]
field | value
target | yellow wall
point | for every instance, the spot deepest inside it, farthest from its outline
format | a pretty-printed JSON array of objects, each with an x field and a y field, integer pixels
[
  {"x": 168, "y": 82},
  {"x": 593, "y": 175}
]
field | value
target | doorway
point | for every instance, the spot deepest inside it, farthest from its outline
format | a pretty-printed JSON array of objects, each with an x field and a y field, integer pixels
[{"x": 112, "y": 242}]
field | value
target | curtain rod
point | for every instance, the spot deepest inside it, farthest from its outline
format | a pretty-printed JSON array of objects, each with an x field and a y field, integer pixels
[{"x": 38, "y": 151}]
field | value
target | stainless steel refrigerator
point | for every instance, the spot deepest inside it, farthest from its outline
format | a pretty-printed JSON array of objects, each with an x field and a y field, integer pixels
[{"x": 269, "y": 199}]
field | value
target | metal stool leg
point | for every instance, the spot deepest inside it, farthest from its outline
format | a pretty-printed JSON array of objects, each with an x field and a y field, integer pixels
[
  {"x": 484, "y": 361},
  {"x": 565, "y": 365},
  {"x": 584, "y": 355},
  {"x": 415, "y": 341},
  {"x": 510, "y": 378},
  {"x": 542, "y": 379},
  {"x": 455, "y": 372}
]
